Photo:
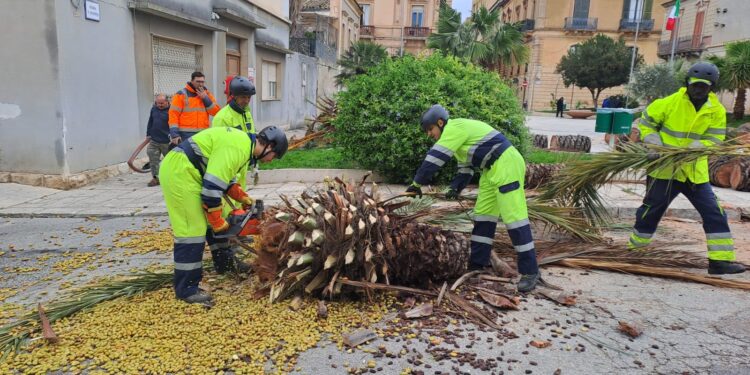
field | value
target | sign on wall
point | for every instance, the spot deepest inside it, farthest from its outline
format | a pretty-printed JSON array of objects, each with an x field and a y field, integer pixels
[{"x": 92, "y": 10}]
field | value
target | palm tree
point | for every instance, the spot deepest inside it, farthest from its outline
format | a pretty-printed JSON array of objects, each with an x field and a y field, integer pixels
[
  {"x": 735, "y": 74},
  {"x": 362, "y": 56},
  {"x": 483, "y": 39}
]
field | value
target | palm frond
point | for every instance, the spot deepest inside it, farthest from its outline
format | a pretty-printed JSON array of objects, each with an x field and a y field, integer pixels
[
  {"x": 578, "y": 183},
  {"x": 14, "y": 335}
]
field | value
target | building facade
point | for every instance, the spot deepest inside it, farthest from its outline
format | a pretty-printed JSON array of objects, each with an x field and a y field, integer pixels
[
  {"x": 703, "y": 29},
  {"x": 401, "y": 26},
  {"x": 552, "y": 27},
  {"x": 84, "y": 74}
]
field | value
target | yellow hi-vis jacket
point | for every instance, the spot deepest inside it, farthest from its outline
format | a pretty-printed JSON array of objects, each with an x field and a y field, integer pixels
[{"x": 676, "y": 123}]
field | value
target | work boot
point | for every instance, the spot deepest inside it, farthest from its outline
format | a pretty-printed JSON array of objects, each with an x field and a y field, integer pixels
[
  {"x": 199, "y": 297},
  {"x": 528, "y": 282},
  {"x": 154, "y": 182},
  {"x": 724, "y": 267},
  {"x": 238, "y": 266}
]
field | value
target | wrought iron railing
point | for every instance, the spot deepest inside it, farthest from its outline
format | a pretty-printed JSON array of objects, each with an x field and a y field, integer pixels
[
  {"x": 366, "y": 31},
  {"x": 627, "y": 24},
  {"x": 581, "y": 24},
  {"x": 416, "y": 32}
]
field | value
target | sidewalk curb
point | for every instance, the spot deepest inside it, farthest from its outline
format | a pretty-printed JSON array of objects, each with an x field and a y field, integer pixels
[{"x": 307, "y": 175}]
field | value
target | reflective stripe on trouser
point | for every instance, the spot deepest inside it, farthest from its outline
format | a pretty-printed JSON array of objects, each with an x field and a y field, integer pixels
[
  {"x": 501, "y": 195},
  {"x": 660, "y": 194}
]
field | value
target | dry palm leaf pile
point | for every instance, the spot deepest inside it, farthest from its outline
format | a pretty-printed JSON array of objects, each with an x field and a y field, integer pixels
[{"x": 327, "y": 110}]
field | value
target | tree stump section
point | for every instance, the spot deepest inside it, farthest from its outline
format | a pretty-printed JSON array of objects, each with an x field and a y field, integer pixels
[
  {"x": 539, "y": 141},
  {"x": 740, "y": 178},
  {"x": 720, "y": 170},
  {"x": 740, "y": 135},
  {"x": 571, "y": 143}
]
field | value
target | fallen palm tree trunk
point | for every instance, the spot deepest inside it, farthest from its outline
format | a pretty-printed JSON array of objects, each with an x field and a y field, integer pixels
[
  {"x": 539, "y": 174},
  {"x": 347, "y": 232},
  {"x": 539, "y": 141},
  {"x": 572, "y": 143},
  {"x": 663, "y": 272}
]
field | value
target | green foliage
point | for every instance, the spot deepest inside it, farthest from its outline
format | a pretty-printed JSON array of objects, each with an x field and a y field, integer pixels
[
  {"x": 483, "y": 39},
  {"x": 313, "y": 158},
  {"x": 597, "y": 64},
  {"x": 734, "y": 75},
  {"x": 360, "y": 57},
  {"x": 656, "y": 81},
  {"x": 540, "y": 156},
  {"x": 378, "y": 120}
]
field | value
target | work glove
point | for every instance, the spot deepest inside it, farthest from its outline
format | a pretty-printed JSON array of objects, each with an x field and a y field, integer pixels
[
  {"x": 414, "y": 189},
  {"x": 451, "y": 194},
  {"x": 235, "y": 192},
  {"x": 696, "y": 145},
  {"x": 213, "y": 216},
  {"x": 652, "y": 155},
  {"x": 653, "y": 139}
]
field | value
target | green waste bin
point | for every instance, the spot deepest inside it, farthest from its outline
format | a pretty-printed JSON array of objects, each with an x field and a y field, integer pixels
[
  {"x": 621, "y": 122},
  {"x": 603, "y": 121}
]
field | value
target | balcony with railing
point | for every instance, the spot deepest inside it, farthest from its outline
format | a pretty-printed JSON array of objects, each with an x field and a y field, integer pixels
[
  {"x": 629, "y": 25},
  {"x": 526, "y": 25},
  {"x": 416, "y": 32},
  {"x": 687, "y": 45},
  {"x": 581, "y": 24},
  {"x": 366, "y": 31},
  {"x": 313, "y": 47}
]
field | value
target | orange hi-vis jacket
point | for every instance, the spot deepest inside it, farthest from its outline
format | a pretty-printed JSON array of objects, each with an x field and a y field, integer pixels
[{"x": 188, "y": 113}]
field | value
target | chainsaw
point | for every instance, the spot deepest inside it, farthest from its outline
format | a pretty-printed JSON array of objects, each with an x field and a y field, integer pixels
[{"x": 243, "y": 222}]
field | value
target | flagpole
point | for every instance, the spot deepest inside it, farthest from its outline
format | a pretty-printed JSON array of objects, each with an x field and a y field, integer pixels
[
  {"x": 676, "y": 29},
  {"x": 639, "y": 15}
]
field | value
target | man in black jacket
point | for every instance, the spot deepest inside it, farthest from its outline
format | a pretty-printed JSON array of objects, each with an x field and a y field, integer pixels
[{"x": 158, "y": 134}]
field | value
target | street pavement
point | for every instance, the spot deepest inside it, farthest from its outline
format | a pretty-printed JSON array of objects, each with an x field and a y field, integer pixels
[{"x": 688, "y": 328}]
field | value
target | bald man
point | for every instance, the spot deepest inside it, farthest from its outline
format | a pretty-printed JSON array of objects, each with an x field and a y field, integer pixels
[{"x": 158, "y": 134}]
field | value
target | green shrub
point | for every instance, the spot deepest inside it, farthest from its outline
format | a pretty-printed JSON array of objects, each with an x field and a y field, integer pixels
[{"x": 378, "y": 120}]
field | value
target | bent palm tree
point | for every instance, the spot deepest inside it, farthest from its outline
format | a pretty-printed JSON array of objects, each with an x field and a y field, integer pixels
[
  {"x": 359, "y": 58},
  {"x": 483, "y": 39},
  {"x": 735, "y": 74}
]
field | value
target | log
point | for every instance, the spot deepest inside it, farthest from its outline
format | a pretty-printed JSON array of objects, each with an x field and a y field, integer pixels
[
  {"x": 740, "y": 177},
  {"x": 740, "y": 136},
  {"x": 720, "y": 170},
  {"x": 539, "y": 141},
  {"x": 539, "y": 174},
  {"x": 572, "y": 143}
]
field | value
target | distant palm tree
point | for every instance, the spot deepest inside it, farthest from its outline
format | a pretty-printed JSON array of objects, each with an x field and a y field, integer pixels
[
  {"x": 483, "y": 39},
  {"x": 734, "y": 69},
  {"x": 359, "y": 58}
]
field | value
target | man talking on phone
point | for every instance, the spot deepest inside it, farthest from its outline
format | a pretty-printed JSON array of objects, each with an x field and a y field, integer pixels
[{"x": 190, "y": 109}]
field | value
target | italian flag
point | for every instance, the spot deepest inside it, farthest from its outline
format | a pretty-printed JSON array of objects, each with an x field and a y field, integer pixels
[{"x": 673, "y": 14}]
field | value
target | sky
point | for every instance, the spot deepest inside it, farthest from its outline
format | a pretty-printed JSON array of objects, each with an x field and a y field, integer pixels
[{"x": 463, "y": 6}]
